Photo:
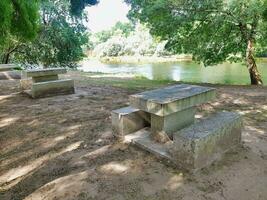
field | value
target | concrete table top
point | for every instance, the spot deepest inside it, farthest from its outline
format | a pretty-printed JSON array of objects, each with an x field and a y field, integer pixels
[
  {"x": 44, "y": 72},
  {"x": 172, "y": 99}
]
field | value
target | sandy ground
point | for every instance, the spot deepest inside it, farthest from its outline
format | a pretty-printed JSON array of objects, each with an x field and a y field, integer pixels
[{"x": 62, "y": 148}]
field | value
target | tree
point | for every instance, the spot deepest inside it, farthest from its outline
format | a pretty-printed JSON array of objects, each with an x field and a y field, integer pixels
[
  {"x": 126, "y": 28},
  {"x": 105, "y": 35},
  {"x": 19, "y": 19},
  {"x": 127, "y": 39},
  {"x": 213, "y": 31},
  {"x": 60, "y": 38},
  {"x": 77, "y": 6},
  {"x": 22, "y": 21}
]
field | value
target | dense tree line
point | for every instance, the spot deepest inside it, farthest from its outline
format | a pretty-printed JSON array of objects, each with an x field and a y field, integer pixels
[
  {"x": 42, "y": 31},
  {"x": 127, "y": 39}
]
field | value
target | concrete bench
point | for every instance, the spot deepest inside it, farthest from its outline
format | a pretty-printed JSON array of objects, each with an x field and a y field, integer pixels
[
  {"x": 204, "y": 142},
  {"x": 50, "y": 88},
  {"x": 196, "y": 146},
  {"x": 10, "y": 75},
  {"x": 128, "y": 120},
  {"x": 8, "y": 72},
  {"x": 44, "y": 82},
  {"x": 7, "y": 67}
]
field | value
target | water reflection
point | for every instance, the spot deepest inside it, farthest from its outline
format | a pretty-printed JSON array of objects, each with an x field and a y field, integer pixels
[{"x": 181, "y": 71}]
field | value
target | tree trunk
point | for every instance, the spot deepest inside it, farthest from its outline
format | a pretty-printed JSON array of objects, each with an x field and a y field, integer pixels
[
  {"x": 255, "y": 77},
  {"x": 6, "y": 58}
]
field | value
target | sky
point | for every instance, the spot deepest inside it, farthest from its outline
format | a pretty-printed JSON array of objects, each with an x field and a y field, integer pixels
[{"x": 106, "y": 14}]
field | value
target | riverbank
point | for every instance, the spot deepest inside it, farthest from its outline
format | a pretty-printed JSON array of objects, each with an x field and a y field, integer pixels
[
  {"x": 188, "y": 71},
  {"x": 62, "y": 147},
  {"x": 150, "y": 59},
  {"x": 144, "y": 59}
]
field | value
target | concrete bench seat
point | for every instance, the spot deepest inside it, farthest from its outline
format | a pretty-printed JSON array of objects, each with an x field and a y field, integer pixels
[
  {"x": 50, "y": 88},
  {"x": 10, "y": 75},
  {"x": 8, "y": 72},
  {"x": 128, "y": 120},
  {"x": 204, "y": 142},
  {"x": 196, "y": 146},
  {"x": 7, "y": 67},
  {"x": 142, "y": 139}
]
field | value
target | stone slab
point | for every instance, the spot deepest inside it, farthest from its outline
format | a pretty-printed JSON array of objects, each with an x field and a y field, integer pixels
[
  {"x": 206, "y": 141},
  {"x": 172, "y": 99},
  {"x": 7, "y": 67},
  {"x": 172, "y": 122},
  {"x": 28, "y": 92},
  {"x": 44, "y": 72},
  {"x": 52, "y": 88},
  {"x": 10, "y": 75},
  {"x": 143, "y": 140},
  {"x": 142, "y": 133},
  {"x": 128, "y": 120}
]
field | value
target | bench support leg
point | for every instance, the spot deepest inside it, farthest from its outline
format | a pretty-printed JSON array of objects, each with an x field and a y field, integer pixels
[
  {"x": 128, "y": 120},
  {"x": 44, "y": 78}
]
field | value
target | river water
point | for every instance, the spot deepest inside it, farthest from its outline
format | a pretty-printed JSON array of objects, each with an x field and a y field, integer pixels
[{"x": 187, "y": 71}]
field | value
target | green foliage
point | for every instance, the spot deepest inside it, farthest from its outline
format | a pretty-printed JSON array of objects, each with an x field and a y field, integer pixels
[
  {"x": 125, "y": 39},
  {"x": 103, "y": 36},
  {"x": 265, "y": 11},
  {"x": 6, "y": 11},
  {"x": 138, "y": 82},
  {"x": 211, "y": 30},
  {"x": 60, "y": 39},
  {"x": 125, "y": 28},
  {"x": 18, "y": 19},
  {"x": 77, "y": 6}
]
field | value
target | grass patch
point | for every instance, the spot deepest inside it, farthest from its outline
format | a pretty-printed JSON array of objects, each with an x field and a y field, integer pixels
[
  {"x": 134, "y": 83},
  {"x": 18, "y": 68}
]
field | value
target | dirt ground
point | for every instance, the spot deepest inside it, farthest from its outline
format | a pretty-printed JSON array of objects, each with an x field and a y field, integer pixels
[{"x": 62, "y": 148}]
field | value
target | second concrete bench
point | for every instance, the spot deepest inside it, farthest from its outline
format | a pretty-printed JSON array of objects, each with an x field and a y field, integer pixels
[
  {"x": 45, "y": 82},
  {"x": 9, "y": 72},
  {"x": 206, "y": 141}
]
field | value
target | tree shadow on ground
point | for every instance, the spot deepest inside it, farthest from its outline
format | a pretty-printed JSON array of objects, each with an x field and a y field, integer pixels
[{"x": 62, "y": 148}]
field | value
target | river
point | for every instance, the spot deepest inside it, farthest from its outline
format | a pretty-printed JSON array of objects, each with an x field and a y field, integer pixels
[{"x": 187, "y": 71}]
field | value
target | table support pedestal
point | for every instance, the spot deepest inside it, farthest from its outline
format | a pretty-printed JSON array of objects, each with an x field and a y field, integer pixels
[{"x": 173, "y": 122}]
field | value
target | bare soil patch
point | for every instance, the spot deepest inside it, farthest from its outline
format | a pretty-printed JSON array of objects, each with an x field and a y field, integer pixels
[{"x": 62, "y": 148}]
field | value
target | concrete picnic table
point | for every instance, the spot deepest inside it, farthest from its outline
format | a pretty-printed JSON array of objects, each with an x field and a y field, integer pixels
[
  {"x": 171, "y": 111},
  {"x": 45, "y": 82}
]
